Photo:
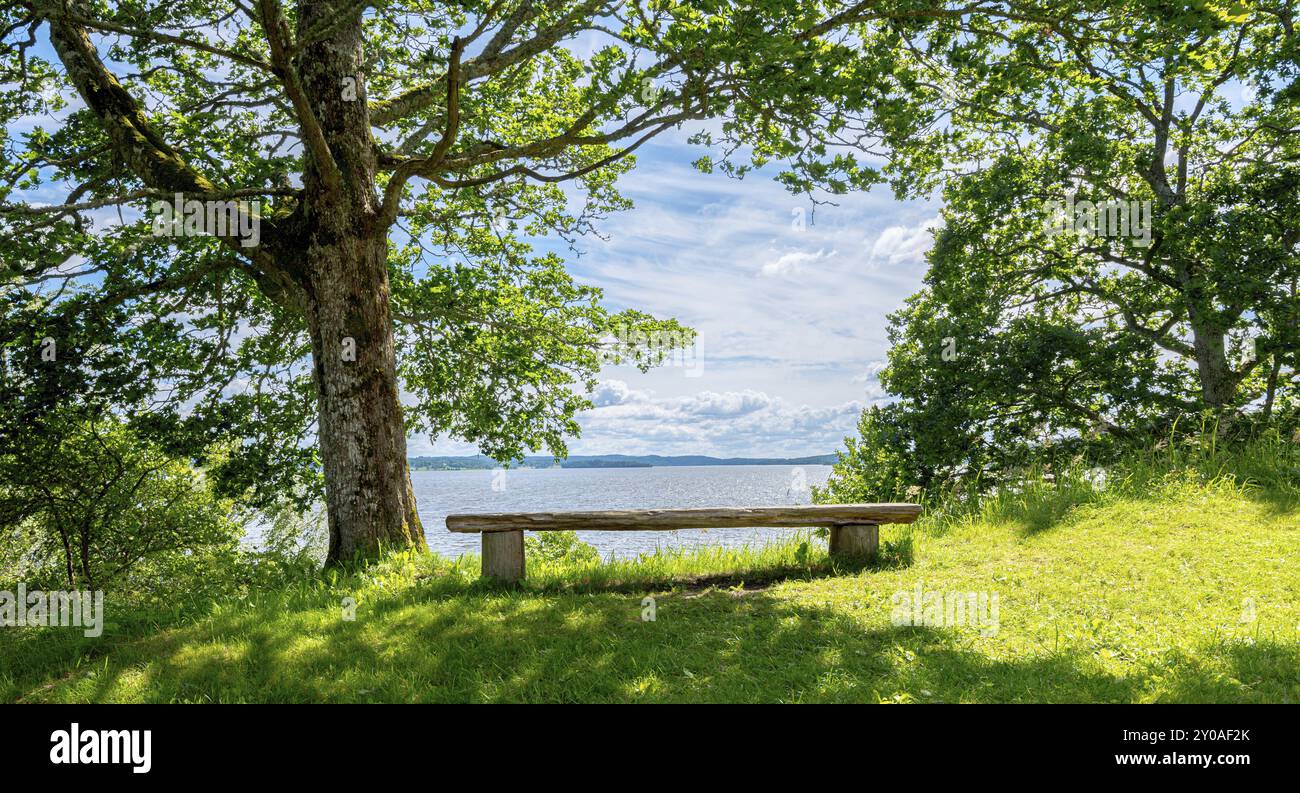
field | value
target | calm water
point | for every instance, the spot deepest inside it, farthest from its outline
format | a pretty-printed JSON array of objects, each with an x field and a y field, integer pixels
[{"x": 439, "y": 493}]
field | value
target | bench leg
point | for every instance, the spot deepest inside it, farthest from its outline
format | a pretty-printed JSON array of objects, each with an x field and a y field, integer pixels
[
  {"x": 860, "y": 539},
  {"x": 503, "y": 555}
]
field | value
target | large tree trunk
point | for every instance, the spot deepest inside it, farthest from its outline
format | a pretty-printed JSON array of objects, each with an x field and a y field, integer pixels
[
  {"x": 1218, "y": 383},
  {"x": 362, "y": 435}
]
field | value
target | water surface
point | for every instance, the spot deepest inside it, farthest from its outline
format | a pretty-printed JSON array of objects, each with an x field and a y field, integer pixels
[{"x": 439, "y": 493}]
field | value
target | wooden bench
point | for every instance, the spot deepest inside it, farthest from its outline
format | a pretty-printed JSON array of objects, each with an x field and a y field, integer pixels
[{"x": 854, "y": 527}]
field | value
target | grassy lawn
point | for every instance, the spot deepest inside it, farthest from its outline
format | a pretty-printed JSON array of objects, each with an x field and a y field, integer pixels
[{"x": 1172, "y": 591}]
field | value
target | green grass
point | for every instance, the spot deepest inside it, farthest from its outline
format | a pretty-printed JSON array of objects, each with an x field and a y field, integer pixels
[{"x": 1179, "y": 581}]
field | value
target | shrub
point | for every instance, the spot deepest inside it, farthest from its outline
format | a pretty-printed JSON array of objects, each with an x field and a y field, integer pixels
[
  {"x": 98, "y": 507},
  {"x": 875, "y": 466},
  {"x": 561, "y": 547}
]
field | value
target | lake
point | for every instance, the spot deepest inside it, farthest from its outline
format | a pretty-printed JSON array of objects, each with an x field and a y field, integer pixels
[{"x": 439, "y": 493}]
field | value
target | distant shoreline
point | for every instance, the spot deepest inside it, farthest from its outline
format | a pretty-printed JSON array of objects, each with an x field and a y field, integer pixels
[{"x": 480, "y": 462}]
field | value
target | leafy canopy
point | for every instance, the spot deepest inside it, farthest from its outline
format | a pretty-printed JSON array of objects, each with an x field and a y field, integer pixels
[{"x": 492, "y": 125}]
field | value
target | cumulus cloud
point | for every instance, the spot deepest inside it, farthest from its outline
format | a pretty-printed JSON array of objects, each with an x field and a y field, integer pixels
[
  {"x": 610, "y": 392},
  {"x": 727, "y": 424},
  {"x": 734, "y": 403},
  {"x": 791, "y": 263},
  {"x": 902, "y": 245},
  {"x": 875, "y": 392}
]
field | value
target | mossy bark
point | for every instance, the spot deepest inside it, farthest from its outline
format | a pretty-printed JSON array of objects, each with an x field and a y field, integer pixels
[{"x": 347, "y": 305}]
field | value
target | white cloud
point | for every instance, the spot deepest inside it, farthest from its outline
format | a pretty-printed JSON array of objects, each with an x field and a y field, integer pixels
[
  {"x": 791, "y": 263},
  {"x": 904, "y": 245},
  {"x": 611, "y": 392},
  {"x": 874, "y": 391},
  {"x": 727, "y": 424},
  {"x": 872, "y": 373},
  {"x": 734, "y": 403}
]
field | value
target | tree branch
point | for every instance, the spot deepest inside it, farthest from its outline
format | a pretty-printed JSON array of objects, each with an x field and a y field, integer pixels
[{"x": 277, "y": 33}]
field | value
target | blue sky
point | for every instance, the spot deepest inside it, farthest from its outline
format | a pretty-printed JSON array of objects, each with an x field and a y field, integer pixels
[{"x": 791, "y": 319}]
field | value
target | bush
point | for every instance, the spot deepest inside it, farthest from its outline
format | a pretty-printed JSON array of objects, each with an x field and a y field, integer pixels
[
  {"x": 875, "y": 466},
  {"x": 561, "y": 547},
  {"x": 98, "y": 507}
]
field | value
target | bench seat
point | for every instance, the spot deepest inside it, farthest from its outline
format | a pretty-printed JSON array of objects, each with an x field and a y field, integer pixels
[{"x": 854, "y": 527}]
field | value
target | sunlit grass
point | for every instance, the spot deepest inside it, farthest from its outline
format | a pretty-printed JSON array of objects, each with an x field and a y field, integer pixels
[{"x": 1172, "y": 580}]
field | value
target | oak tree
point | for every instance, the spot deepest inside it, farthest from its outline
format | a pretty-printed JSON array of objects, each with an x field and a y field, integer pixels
[{"x": 308, "y": 227}]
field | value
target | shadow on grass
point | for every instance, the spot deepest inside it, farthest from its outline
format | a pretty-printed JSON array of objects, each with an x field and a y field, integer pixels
[
  {"x": 1042, "y": 508},
  {"x": 893, "y": 554},
  {"x": 29, "y": 657},
  {"x": 1258, "y": 671},
  {"x": 1275, "y": 502},
  {"x": 710, "y": 646}
]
